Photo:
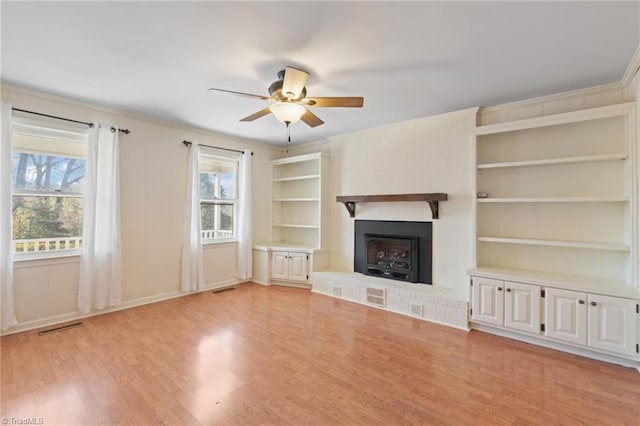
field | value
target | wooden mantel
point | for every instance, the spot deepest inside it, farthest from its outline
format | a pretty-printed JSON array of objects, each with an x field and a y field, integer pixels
[{"x": 350, "y": 201}]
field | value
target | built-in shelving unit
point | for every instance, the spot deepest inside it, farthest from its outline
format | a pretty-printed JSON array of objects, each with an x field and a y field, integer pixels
[
  {"x": 556, "y": 259},
  {"x": 560, "y": 198},
  {"x": 297, "y": 213},
  {"x": 299, "y": 221}
]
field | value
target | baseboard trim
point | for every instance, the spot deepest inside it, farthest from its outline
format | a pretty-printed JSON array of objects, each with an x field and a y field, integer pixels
[
  {"x": 447, "y": 324},
  {"x": 612, "y": 359},
  {"x": 306, "y": 286},
  {"x": 74, "y": 316}
]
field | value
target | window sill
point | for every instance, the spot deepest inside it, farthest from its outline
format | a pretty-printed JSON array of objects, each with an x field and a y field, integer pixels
[
  {"x": 219, "y": 241},
  {"x": 24, "y": 260}
]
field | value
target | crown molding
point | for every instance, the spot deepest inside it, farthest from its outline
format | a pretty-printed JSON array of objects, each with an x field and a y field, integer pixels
[
  {"x": 192, "y": 130},
  {"x": 632, "y": 69},
  {"x": 556, "y": 96}
]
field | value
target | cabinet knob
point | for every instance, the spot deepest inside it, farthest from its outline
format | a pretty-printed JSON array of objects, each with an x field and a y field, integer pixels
[
  {"x": 509, "y": 290},
  {"x": 594, "y": 304},
  {"x": 581, "y": 302},
  {"x": 499, "y": 288}
]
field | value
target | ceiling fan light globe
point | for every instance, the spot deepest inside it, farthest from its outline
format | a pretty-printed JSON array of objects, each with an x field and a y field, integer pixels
[{"x": 287, "y": 112}]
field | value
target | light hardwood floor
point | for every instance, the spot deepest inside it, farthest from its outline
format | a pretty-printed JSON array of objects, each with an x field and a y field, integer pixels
[{"x": 276, "y": 355}]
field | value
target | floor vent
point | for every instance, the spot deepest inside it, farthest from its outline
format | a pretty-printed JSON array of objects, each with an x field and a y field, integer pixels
[
  {"x": 377, "y": 296},
  {"x": 222, "y": 290},
  {"x": 416, "y": 310},
  {"x": 336, "y": 291},
  {"x": 61, "y": 328}
]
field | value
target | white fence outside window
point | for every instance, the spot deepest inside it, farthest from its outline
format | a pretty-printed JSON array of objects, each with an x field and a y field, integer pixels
[{"x": 42, "y": 245}]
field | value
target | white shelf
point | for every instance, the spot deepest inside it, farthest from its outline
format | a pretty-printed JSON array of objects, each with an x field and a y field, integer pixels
[
  {"x": 282, "y": 246},
  {"x": 597, "y": 285},
  {"x": 556, "y": 200},
  {"x": 553, "y": 120},
  {"x": 289, "y": 179},
  {"x": 557, "y": 243},
  {"x": 295, "y": 199},
  {"x": 294, "y": 225},
  {"x": 556, "y": 161}
]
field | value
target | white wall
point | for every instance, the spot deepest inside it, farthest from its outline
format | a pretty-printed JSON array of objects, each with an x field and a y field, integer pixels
[
  {"x": 432, "y": 154},
  {"x": 153, "y": 176}
]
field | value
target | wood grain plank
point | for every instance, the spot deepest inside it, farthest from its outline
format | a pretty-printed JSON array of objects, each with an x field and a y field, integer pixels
[{"x": 284, "y": 356}]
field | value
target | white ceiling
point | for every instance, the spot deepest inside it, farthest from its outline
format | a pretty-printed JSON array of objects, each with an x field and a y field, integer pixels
[{"x": 407, "y": 60}]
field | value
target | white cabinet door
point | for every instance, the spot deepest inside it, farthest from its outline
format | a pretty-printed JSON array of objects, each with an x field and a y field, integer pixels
[
  {"x": 298, "y": 266},
  {"x": 280, "y": 264},
  {"x": 522, "y": 307},
  {"x": 488, "y": 301},
  {"x": 612, "y": 324},
  {"x": 566, "y": 316}
]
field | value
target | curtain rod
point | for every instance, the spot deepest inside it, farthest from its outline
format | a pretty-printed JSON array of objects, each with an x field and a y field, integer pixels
[
  {"x": 113, "y": 129},
  {"x": 188, "y": 143}
]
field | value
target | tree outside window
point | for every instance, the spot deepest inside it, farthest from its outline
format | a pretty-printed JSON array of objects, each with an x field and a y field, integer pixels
[{"x": 47, "y": 186}]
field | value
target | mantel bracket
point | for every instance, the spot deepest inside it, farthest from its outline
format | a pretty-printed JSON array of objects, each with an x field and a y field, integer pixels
[
  {"x": 434, "y": 209},
  {"x": 351, "y": 208}
]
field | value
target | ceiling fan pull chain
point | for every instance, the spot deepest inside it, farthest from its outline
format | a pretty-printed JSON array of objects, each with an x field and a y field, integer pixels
[{"x": 288, "y": 136}]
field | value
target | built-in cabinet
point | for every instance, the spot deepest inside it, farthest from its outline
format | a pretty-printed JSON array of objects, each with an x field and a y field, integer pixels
[
  {"x": 601, "y": 322},
  {"x": 289, "y": 266},
  {"x": 557, "y": 215},
  {"x": 512, "y": 305},
  {"x": 594, "y": 321},
  {"x": 299, "y": 221}
]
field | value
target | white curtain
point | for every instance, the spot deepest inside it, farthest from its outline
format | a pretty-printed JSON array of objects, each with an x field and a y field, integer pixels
[
  {"x": 100, "y": 263},
  {"x": 244, "y": 224},
  {"x": 192, "y": 269},
  {"x": 6, "y": 254}
]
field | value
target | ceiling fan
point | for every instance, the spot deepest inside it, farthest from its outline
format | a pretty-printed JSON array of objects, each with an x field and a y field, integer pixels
[{"x": 290, "y": 101}]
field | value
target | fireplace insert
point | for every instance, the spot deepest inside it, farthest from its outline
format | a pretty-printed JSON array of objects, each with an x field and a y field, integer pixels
[
  {"x": 393, "y": 256},
  {"x": 398, "y": 250}
]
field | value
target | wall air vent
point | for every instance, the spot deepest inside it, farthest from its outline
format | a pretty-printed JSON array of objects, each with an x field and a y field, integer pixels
[
  {"x": 416, "y": 310},
  {"x": 377, "y": 296}
]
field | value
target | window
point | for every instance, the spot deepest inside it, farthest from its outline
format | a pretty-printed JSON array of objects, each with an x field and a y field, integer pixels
[
  {"x": 48, "y": 168},
  {"x": 218, "y": 197}
]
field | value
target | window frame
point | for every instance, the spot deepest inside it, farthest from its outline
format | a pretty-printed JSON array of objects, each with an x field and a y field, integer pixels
[
  {"x": 203, "y": 154},
  {"x": 67, "y": 134}
]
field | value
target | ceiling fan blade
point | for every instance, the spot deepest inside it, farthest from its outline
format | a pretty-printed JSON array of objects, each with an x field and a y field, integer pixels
[
  {"x": 257, "y": 115},
  {"x": 293, "y": 82},
  {"x": 355, "y": 102},
  {"x": 247, "y": 95},
  {"x": 311, "y": 119}
]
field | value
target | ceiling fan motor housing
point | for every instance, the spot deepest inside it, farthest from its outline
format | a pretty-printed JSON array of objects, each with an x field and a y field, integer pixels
[{"x": 275, "y": 90}]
